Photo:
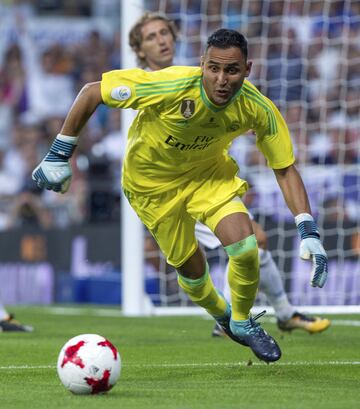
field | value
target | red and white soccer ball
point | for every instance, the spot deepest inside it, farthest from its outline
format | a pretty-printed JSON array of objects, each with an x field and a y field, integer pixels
[{"x": 88, "y": 364}]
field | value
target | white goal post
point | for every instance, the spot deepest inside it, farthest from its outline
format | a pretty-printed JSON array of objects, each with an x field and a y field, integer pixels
[
  {"x": 134, "y": 300},
  {"x": 303, "y": 59}
]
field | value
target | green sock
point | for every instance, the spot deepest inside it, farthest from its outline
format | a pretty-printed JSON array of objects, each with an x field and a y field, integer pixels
[
  {"x": 243, "y": 276},
  {"x": 202, "y": 292}
]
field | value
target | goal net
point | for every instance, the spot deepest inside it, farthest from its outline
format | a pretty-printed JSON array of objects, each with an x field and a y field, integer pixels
[{"x": 306, "y": 59}]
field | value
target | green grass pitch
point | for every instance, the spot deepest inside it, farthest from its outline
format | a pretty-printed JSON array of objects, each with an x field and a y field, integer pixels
[{"x": 172, "y": 362}]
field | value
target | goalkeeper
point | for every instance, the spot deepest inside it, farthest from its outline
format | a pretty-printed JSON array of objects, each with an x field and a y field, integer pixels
[
  {"x": 177, "y": 171},
  {"x": 152, "y": 38}
]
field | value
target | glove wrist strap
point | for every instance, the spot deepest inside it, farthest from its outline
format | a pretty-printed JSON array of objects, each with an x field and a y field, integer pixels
[
  {"x": 302, "y": 217},
  {"x": 306, "y": 226},
  {"x": 62, "y": 148}
]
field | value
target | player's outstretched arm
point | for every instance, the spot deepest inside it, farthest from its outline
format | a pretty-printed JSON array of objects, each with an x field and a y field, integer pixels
[
  {"x": 296, "y": 198},
  {"x": 54, "y": 171}
]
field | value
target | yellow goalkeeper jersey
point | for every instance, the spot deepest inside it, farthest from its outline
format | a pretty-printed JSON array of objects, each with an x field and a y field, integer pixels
[{"x": 179, "y": 135}]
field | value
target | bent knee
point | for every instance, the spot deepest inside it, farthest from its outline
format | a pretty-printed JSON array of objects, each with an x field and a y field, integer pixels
[
  {"x": 247, "y": 246},
  {"x": 260, "y": 235}
]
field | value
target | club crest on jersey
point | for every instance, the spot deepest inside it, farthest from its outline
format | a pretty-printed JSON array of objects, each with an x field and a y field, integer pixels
[
  {"x": 210, "y": 124},
  {"x": 121, "y": 93},
  {"x": 187, "y": 108},
  {"x": 234, "y": 126}
]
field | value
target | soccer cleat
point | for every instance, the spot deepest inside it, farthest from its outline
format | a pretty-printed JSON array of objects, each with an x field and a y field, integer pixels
[
  {"x": 224, "y": 323},
  {"x": 260, "y": 342},
  {"x": 312, "y": 325},
  {"x": 218, "y": 331},
  {"x": 12, "y": 325}
]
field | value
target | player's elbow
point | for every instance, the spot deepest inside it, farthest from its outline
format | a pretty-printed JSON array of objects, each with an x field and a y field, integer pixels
[
  {"x": 283, "y": 171},
  {"x": 92, "y": 92},
  {"x": 260, "y": 235}
]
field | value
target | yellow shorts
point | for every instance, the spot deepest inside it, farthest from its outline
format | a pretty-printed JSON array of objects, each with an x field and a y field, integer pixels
[{"x": 171, "y": 216}]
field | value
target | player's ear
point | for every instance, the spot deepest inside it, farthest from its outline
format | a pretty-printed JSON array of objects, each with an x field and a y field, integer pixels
[
  {"x": 141, "y": 54},
  {"x": 248, "y": 68},
  {"x": 202, "y": 59}
]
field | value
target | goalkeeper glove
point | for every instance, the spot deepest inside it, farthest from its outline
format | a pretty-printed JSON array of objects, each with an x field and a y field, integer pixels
[
  {"x": 54, "y": 171},
  {"x": 311, "y": 246}
]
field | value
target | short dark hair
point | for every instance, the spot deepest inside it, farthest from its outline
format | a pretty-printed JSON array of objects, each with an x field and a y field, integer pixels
[{"x": 226, "y": 38}]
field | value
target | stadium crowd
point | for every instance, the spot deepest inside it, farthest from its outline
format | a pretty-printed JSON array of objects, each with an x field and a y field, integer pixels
[{"x": 306, "y": 58}]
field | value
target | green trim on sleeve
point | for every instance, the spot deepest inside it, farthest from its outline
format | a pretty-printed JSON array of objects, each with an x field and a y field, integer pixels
[
  {"x": 259, "y": 99},
  {"x": 165, "y": 87},
  {"x": 162, "y": 84}
]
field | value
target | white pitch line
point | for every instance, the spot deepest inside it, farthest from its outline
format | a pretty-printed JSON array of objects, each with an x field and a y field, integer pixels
[
  {"x": 243, "y": 363},
  {"x": 201, "y": 365},
  {"x": 117, "y": 313},
  {"x": 346, "y": 323},
  {"x": 341, "y": 323},
  {"x": 10, "y": 367},
  {"x": 81, "y": 312}
]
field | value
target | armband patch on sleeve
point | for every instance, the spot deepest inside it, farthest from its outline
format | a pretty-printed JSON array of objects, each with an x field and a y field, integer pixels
[{"x": 121, "y": 93}]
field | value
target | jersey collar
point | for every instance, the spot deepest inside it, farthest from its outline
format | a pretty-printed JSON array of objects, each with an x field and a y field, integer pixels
[{"x": 211, "y": 105}]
